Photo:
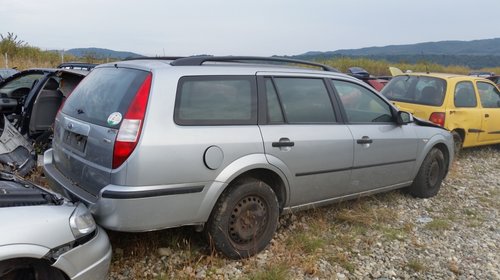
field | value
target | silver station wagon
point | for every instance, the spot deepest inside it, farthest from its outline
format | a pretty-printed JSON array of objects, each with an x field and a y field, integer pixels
[{"x": 228, "y": 143}]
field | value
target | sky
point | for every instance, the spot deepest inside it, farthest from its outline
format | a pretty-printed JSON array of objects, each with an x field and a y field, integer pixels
[{"x": 251, "y": 27}]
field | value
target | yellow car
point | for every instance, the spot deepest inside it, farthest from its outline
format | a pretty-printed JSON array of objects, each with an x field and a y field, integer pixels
[{"x": 467, "y": 106}]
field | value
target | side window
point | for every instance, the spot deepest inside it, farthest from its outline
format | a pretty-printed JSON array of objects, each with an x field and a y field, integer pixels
[
  {"x": 489, "y": 95},
  {"x": 305, "y": 100},
  {"x": 274, "y": 114},
  {"x": 465, "y": 95},
  {"x": 216, "y": 100},
  {"x": 362, "y": 105}
]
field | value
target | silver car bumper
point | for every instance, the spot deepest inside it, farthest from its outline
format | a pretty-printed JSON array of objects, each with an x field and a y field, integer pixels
[
  {"x": 122, "y": 208},
  {"x": 87, "y": 261}
]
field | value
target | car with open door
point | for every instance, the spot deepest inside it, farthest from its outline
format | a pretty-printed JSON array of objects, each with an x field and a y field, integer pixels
[
  {"x": 7, "y": 72},
  {"x": 29, "y": 101}
]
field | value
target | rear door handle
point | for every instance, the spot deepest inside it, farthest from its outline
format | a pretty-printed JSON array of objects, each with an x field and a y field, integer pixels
[
  {"x": 364, "y": 140},
  {"x": 486, "y": 115},
  {"x": 283, "y": 144}
]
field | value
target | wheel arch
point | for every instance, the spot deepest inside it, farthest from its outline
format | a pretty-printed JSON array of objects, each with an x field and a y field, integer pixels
[
  {"x": 460, "y": 132},
  {"x": 447, "y": 156},
  {"x": 444, "y": 144},
  {"x": 27, "y": 262},
  {"x": 17, "y": 251},
  {"x": 267, "y": 176},
  {"x": 253, "y": 166}
]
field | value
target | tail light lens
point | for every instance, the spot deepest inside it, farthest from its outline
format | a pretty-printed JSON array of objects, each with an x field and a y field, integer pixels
[
  {"x": 131, "y": 126},
  {"x": 438, "y": 118}
]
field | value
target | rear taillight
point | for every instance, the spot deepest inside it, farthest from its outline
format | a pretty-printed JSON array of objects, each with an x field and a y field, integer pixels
[
  {"x": 131, "y": 126},
  {"x": 438, "y": 118}
]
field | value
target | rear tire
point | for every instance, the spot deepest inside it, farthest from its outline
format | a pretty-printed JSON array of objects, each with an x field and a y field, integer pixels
[
  {"x": 430, "y": 175},
  {"x": 458, "y": 142},
  {"x": 244, "y": 219}
]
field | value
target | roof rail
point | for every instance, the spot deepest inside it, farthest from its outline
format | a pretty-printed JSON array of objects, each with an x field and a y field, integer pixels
[
  {"x": 154, "y": 58},
  {"x": 199, "y": 60},
  {"x": 77, "y": 65}
]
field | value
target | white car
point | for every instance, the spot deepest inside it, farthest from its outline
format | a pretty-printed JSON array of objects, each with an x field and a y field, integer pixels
[{"x": 44, "y": 236}]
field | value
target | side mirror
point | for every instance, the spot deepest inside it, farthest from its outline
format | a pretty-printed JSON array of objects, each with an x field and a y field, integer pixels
[{"x": 404, "y": 117}]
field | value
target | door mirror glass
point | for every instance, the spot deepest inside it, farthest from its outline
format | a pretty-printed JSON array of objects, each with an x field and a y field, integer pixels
[{"x": 404, "y": 117}]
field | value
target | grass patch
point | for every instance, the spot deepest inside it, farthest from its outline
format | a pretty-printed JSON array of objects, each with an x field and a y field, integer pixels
[
  {"x": 304, "y": 242},
  {"x": 395, "y": 233},
  {"x": 438, "y": 225},
  {"x": 363, "y": 214},
  {"x": 271, "y": 272},
  {"x": 343, "y": 260},
  {"x": 415, "y": 265}
]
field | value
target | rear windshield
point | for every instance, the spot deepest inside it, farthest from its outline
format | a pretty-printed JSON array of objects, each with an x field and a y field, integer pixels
[
  {"x": 416, "y": 89},
  {"x": 104, "y": 94}
]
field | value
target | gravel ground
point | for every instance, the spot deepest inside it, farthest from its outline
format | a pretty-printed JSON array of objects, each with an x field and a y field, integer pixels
[{"x": 454, "y": 235}]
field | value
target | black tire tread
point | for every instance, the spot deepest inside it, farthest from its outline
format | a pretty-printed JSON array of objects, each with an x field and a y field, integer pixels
[
  {"x": 218, "y": 237},
  {"x": 421, "y": 187}
]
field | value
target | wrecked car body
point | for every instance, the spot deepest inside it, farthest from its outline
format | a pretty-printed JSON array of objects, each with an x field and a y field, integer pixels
[
  {"x": 45, "y": 236},
  {"x": 29, "y": 101}
]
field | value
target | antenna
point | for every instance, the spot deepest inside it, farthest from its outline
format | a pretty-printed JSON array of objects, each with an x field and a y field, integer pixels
[{"x": 425, "y": 63}]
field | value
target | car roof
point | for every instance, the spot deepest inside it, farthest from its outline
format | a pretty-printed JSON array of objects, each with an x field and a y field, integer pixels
[
  {"x": 446, "y": 76},
  {"x": 237, "y": 67}
]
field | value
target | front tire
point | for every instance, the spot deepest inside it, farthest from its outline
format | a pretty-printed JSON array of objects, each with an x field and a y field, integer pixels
[
  {"x": 29, "y": 269},
  {"x": 430, "y": 175},
  {"x": 244, "y": 219}
]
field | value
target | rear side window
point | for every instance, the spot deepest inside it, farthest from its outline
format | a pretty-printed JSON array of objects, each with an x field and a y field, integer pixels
[
  {"x": 216, "y": 100},
  {"x": 465, "y": 96},
  {"x": 304, "y": 100},
  {"x": 104, "y": 92},
  {"x": 416, "y": 89}
]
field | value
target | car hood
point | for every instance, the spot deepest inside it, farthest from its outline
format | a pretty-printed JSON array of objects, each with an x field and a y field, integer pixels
[
  {"x": 423, "y": 122},
  {"x": 16, "y": 192}
]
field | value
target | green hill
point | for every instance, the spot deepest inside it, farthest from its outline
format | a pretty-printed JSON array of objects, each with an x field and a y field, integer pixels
[
  {"x": 99, "y": 53},
  {"x": 474, "y": 54}
]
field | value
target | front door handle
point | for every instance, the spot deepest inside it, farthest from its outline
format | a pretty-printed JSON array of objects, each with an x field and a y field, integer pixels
[
  {"x": 364, "y": 140},
  {"x": 486, "y": 115}
]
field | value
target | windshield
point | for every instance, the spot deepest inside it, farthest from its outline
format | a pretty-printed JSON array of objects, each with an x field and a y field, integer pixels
[
  {"x": 26, "y": 81},
  {"x": 416, "y": 89}
]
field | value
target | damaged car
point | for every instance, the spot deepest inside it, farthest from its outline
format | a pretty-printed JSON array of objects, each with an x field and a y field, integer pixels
[
  {"x": 29, "y": 101},
  {"x": 377, "y": 83},
  {"x": 44, "y": 236},
  {"x": 7, "y": 72}
]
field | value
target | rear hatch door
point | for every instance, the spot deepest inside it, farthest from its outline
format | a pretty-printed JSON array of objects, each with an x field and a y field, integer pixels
[{"x": 86, "y": 127}]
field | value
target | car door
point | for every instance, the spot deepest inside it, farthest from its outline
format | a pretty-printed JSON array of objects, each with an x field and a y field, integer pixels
[
  {"x": 303, "y": 137},
  {"x": 465, "y": 113},
  {"x": 490, "y": 112},
  {"x": 384, "y": 152}
]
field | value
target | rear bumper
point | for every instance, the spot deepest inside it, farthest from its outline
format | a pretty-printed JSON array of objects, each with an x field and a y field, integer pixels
[
  {"x": 87, "y": 261},
  {"x": 142, "y": 208}
]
